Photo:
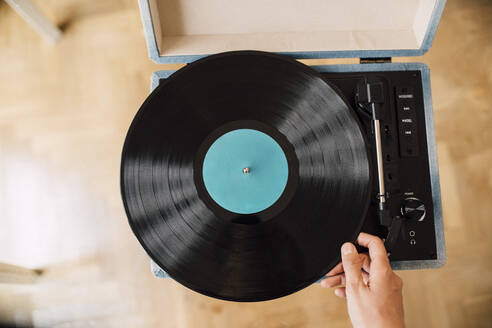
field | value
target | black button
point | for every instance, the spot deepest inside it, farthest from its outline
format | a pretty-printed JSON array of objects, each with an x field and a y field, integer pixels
[
  {"x": 404, "y": 92},
  {"x": 405, "y": 107},
  {"x": 408, "y": 142},
  {"x": 407, "y": 130}
]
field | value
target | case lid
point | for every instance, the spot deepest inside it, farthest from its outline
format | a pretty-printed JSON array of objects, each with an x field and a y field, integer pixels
[{"x": 181, "y": 31}]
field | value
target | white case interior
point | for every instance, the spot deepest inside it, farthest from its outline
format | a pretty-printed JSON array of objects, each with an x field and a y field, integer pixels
[{"x": 196, "y": 27}]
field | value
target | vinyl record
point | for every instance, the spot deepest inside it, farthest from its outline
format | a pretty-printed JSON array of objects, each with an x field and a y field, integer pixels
[{"x": 243, "y": 173}]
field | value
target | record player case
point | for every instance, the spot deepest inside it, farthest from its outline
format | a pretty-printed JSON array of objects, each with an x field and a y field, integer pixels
[{"x": 177, "y": 31}]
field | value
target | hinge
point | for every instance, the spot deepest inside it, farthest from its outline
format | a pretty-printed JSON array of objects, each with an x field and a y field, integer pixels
[{"x": 376, "y": 60}]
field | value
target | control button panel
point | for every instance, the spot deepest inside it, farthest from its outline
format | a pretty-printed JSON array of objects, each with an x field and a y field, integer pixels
[{"x": 407, "y": 125}]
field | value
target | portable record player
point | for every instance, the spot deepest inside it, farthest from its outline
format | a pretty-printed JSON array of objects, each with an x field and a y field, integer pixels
[{"x": 392, "y": 100}]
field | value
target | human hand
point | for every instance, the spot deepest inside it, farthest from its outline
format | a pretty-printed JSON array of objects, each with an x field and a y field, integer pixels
[{"x": 372, "y": 289}]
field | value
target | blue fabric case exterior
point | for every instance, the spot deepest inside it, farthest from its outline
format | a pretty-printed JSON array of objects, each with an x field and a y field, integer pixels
[{"x": 431, "y": 143}]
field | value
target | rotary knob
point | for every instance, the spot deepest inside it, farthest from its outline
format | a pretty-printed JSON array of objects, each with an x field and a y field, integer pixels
[{"x": 413, "y": 209}]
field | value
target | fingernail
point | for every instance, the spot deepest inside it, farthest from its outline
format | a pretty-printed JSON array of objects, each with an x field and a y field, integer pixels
[{"x": 348, "y": 248}]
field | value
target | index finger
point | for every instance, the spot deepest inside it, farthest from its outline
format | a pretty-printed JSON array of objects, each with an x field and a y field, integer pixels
[
  {"x": 377, "y": 251},
  {"x": 336, "y": 270}
]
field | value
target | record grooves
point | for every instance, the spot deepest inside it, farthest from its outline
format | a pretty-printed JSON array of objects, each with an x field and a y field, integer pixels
[{"x": 282, "y": 248}]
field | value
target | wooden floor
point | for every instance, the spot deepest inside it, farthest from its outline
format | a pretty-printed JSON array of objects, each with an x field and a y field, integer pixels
[{"x": 64, "y": 111}]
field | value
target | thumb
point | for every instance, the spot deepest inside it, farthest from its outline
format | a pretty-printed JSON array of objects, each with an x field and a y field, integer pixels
[{"x": 352, "y": 265}]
